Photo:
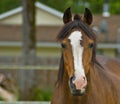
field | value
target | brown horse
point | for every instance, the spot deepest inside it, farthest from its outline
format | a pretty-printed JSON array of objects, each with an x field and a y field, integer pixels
[{"x": 83, "y": 77}]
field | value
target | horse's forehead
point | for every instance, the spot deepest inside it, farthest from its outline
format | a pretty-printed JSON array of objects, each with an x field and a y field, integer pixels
[{"x": 75, "y": 37}]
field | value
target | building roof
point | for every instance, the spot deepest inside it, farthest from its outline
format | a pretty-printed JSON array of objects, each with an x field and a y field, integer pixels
[{"x": 38, "y": 5}]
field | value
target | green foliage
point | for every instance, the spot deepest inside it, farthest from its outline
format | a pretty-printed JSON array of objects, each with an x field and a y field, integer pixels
[
  {"x": 77, "y": 5},
  {"x": 8, "y": 5},
  {"x": 115, "y": 7},
  {"x": 59, "y": 5},
  {"x": 40, "y": 94},
  {"x": 96, "y": 8},
  {"x": 1, "y": 99}
]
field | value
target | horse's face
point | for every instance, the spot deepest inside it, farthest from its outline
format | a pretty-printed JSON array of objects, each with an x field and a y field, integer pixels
[{"x": 77, "y": 54}]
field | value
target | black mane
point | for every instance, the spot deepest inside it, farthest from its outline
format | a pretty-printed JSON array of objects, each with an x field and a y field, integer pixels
[{"x": 76, "y": 24}]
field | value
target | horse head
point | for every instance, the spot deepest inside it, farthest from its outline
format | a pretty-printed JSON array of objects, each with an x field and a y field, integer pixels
[{"x": 78, "y": 49}]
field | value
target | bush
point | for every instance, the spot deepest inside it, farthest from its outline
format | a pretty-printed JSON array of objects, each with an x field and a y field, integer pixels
[
  {"x": 41, "y": 94},
  {"x": 6, "y": 5},
  {"x": 115, "y": 8}
]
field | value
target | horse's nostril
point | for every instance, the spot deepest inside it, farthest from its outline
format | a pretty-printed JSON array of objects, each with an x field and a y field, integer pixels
[
  {"x": 72, "y": 85},
  {"x": 73, "y": 78},
  {"x": 84, "y": 78}
]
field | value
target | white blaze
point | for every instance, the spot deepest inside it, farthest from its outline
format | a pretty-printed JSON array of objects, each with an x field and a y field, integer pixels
[{"x": 77, "y": 50}]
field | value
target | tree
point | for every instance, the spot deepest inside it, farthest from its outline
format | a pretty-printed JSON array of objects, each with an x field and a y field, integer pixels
[
  {"x": 29, "y": 43},
  {"x": 29, "y": 38}
]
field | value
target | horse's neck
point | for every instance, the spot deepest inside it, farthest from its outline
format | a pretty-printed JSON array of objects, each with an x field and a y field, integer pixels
[
  {"x": 100, "y": 86},
  {"x": 98, "y": 92}
]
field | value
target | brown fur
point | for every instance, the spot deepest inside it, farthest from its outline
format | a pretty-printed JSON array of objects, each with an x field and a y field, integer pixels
[
  {"x": 103, "y": 85},
  {"x": 103, "y": 74}
]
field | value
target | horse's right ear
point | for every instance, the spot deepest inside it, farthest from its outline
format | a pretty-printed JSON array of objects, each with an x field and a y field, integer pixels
[{"x": 67, "y": 17}]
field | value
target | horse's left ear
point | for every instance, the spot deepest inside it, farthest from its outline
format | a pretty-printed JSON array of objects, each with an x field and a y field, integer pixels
[
  {"x": 87, "y": 16},
  {"x": 67, "y": 17}
]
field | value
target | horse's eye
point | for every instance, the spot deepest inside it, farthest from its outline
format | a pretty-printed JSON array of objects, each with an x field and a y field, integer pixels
[
  {"x": 63, "y": 45},
  {"x": 91, "y": 45}
]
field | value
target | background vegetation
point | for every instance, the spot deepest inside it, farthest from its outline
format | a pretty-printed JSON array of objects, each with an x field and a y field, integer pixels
[
  {"x": 39, "y": 94},
  {"x": 77, "y": 5}
]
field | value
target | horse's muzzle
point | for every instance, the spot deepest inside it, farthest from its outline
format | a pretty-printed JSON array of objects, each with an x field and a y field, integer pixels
[{"x": 74, "y": 90}]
